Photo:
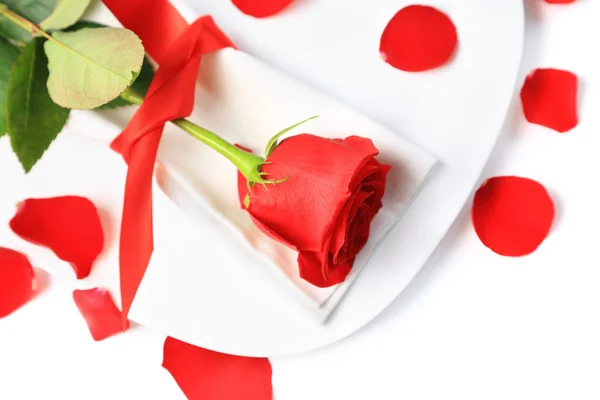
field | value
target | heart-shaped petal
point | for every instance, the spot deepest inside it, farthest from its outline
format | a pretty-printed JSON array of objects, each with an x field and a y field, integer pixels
[
  {"x": 68, "y": 225},
  {"x": 207, "y": 375},
  {"x": 16, "y": 281}
]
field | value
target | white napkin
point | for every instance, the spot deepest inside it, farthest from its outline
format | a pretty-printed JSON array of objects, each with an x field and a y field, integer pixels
[{"x": 247, "y": 102}]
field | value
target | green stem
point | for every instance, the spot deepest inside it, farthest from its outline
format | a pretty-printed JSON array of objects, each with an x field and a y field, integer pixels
[
  {"x": 249, "y": 164},
  {"x": 22, "y": 22}
]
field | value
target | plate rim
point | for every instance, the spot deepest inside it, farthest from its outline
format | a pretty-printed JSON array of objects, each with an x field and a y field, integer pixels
[{"x": 365, "y": 320}]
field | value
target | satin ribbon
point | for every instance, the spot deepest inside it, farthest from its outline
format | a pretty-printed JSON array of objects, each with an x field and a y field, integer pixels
[
  {"x": 179, "y": 49},
  {"x": 156, "y": 22}
]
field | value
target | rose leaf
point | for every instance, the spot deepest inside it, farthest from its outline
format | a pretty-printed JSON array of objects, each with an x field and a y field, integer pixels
[
  {"x": 33, "y": 120},
  {"x": 66, "y": 13},
  {"x": 92, "y": 66},
  {"x": 8, "y": 55}
]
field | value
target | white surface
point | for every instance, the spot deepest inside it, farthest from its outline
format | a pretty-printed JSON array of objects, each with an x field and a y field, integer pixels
[
  {"x": 472, "y": 325},
  {"x": 193, "y": 253},
  {"x": 442, "y": 111}
]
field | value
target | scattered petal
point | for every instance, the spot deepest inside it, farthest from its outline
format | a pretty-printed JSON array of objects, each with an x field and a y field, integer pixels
[
  {"x": 261, "y": 8},
  {"x": 418, "y": 38},
  {"x": 16, "y": 281},
  {"x": 68, "y": 225},
  {"x": 511, "y": 215},
  {"x": 102, "y": 316},
  {"x": 549, "y": 98},
  {"x": 207, "y": 375}
]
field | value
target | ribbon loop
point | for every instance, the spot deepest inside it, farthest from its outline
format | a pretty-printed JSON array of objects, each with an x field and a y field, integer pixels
[{"x": 170, "y": 96}]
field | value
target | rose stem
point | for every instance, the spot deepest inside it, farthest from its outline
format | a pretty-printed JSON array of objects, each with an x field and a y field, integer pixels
[
  {"x": 249, "y": 164},
  {"x": 246, "y": 162}
]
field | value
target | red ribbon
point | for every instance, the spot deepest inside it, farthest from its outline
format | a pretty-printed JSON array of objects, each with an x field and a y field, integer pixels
[
  {"x": 156, "y": 22},
  {"x": 178, "y": 48}
]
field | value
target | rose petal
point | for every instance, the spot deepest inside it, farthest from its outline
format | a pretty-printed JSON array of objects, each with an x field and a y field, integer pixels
[
  {"x": 207, "y": 375},
  {"x": 549, "y": 98},
  {"x": 101, "y": 315},
  {"x": 418, "y": 38},
  {"x": 68, "y": 225},
  {"x": 340, "y": 230},
  {"x": 511, "y": 215},
  {"x": 560, "y": 1},
  {"x": 16, "y": 281},
  {"x": 242, "y": 184},
  {"x": 316, "y": 269},
  {"x": 310, "y": 267},
  {"x": 361, "y": 228},
  {"x": 261, "y": 8},
  {"x": 303, "y": 157}
]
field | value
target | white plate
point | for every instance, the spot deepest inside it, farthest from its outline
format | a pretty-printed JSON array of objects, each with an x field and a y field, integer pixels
[{"x": 454, "y": 112}]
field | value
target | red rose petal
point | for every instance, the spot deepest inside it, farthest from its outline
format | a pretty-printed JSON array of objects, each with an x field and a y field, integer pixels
[
  {"x": 418, "y": 38},
  {"x": 261, "y": 8},
  {"x": 207, "y": 375},
  {"x": 549, "y": 98},
  {"x": 16, "y": 281},
  {"x": 69, "y": 226},
  {"x": 242, "y": 184},
  {"x": 511, "y": 215},
  {"x": 102, "y": 316},
  {"x": 560, "y": 1}
]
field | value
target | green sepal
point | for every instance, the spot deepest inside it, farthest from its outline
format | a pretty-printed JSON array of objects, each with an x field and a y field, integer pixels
[{"x": 272, "y": 143}]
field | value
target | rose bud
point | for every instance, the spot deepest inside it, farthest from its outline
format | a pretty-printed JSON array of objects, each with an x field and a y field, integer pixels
[{"x": 326, "y": 194}]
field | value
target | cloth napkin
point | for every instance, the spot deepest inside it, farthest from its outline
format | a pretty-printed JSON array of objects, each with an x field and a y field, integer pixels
[{"x": 247, "y": 102}]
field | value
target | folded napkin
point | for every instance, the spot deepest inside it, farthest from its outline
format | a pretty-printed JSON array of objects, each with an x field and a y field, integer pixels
[{"x": 247, "y": 102}]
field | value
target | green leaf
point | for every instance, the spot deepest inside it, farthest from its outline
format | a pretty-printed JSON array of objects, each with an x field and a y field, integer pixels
[
  {"x": 273, "y": 142},
  {"x": 141, "y": 83},
  {"x": 66, "y": 13},
  {"x": 33, "y": 119},
  {"x": 8, "y": 55},
  {"x": 84, "y": 23},
  {"x": 33, "y": 10},
  {"x": 92, "y": 66}
]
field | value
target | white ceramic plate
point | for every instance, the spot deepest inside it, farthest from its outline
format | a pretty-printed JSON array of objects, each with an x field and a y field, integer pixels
[{"x": 455, "y": 113}]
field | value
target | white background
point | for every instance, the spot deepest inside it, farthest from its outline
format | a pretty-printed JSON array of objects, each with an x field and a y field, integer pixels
[{"x": 472, "y": 325}]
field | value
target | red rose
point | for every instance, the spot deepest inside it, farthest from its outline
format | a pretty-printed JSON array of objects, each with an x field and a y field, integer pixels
[{"x": 325, "y": 207}]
